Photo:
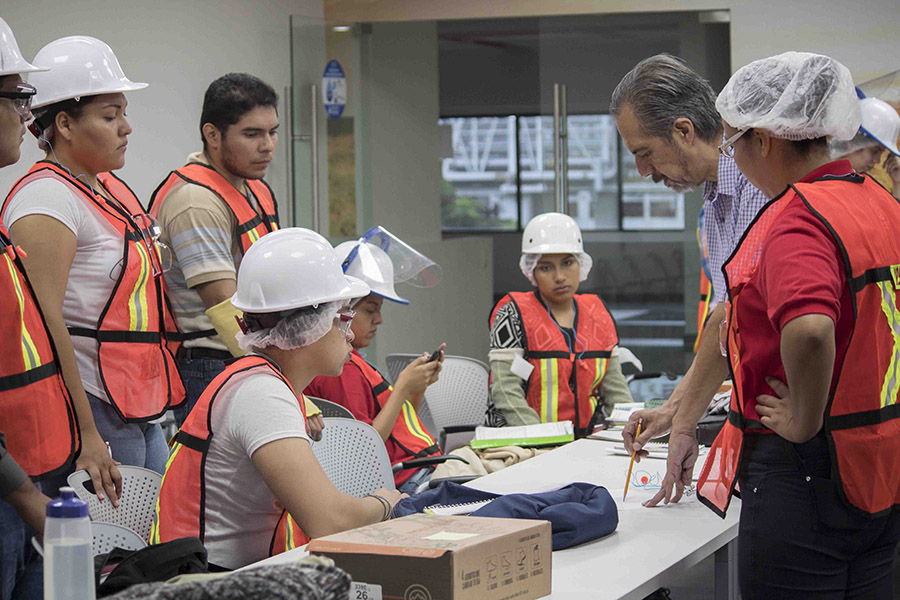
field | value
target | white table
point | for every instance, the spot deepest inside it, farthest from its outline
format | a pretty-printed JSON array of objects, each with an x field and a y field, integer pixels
[{"x": 650, "y": 547}]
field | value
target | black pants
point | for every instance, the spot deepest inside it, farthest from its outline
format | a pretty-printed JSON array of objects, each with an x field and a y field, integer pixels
[{"x": 797, "y": 537}]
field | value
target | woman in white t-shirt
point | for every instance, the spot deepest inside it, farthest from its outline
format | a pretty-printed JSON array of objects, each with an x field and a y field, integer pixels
[
  {"x": 243, "y": 477},
  {"x": 92, "y": 255}
]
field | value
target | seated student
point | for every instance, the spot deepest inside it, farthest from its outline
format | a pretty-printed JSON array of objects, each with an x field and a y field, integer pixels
[
  {"x": 241, "y": 466},
  {"x": 361, "y": 388},
  {"x": 877, "y": 134},
  {"x": 552, "y": 351}
]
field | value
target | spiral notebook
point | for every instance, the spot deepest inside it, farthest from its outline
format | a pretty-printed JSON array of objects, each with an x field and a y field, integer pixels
[{"x": 465, "y": 508}]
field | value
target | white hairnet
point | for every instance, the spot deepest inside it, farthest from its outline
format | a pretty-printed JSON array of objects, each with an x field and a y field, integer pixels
[
  {"x": 840, "y": 148},
  {"x": 794, "y": 96},
  {"x": 299, "y": 329},
  {"x": 529, "y": 261}
]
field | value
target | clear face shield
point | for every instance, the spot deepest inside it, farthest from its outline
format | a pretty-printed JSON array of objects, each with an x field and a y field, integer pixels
[
  {"x": 381, "y": 259},
  {"x": 886, "y": 87}
]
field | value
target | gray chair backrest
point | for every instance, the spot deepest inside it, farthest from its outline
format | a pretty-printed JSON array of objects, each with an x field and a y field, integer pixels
[
  {"x": 140, "y": 489},
  {"x": 459, "y": 396},
  {"x": 396, "y": 363},
  {"x": 331, "y": 409},
  {"x": 109, "y": 535},
  {"x": 353, "y": 456}
]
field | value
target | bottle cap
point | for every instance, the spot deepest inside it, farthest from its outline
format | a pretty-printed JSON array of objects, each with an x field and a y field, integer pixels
[{"x": 67, "y": 506}]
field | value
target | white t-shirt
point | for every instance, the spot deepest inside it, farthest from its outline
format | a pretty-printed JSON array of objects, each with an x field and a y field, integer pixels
[
  {"x": 241, "y": 514},
  {"x": 98, "y": 251}
]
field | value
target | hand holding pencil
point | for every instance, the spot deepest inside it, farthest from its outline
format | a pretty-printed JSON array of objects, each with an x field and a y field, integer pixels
[{"x": 631, "y": 463}]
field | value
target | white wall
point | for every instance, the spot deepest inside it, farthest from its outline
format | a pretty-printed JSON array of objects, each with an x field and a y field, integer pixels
[
  {"x": 178, "y": 47},
  {"x": 398, "y": 180}
]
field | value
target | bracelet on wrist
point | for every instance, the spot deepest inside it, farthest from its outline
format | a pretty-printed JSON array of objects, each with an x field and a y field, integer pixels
[{"x": 385, "y": 505}]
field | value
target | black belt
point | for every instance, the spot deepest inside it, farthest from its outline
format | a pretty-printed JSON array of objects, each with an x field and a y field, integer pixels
[{"x": 191, "y": 353}]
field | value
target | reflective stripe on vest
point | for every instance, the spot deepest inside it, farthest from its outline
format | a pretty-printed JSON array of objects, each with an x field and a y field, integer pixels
[
  {"x": 862, "y": 405},
  {"x": 252, "y": 224},
  {"x": 36, "y": 412},
  {"x": 181, "y": 506},
  {"x": 561, "y": 375},
  {"x": 408, "y": 431},
  {"x": 136, "y": 361}
]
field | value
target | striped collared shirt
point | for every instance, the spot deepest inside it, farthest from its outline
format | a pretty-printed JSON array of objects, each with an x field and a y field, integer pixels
[{"x": 729, "y": 206}]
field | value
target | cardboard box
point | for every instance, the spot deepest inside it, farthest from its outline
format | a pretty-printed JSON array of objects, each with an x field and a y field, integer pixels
[{"x": 428, "y": 557}]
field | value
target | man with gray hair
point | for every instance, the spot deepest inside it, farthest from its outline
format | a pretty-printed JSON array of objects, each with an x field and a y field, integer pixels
[{"x": 666, "y": 115}]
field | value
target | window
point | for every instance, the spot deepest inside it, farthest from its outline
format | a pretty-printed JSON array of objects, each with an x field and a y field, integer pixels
[
  {"x": 497, "y": 173},
  {"x": 478, "y": 173}
]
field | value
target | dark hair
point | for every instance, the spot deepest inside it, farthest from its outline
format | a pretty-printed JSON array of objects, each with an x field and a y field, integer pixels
[
  {"x": 46, "y": 115},
  {"x": 45, "y": 118},
  {"x": 804, "y": 148},
  {"x": 230, "y": 97},
  {"x": 663, "y": 88}
]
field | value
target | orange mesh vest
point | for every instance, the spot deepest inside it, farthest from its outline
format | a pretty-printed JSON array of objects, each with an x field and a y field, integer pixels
[
  {"x": 408, "y": 432},
  {"x": 861, "y": 414},
  {"x": 36, "y": 412},
  {"x": 563, "y": 383},
  {"x": 181, "y": 507},
  {"x": 135, "y": 331},
  {"x": 252, "y": 224}
]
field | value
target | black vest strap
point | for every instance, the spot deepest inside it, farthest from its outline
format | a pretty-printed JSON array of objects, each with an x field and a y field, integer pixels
[
  {"x": 137, "y": 337},
  {"x": 871, "y": 276},
  {"x": 191, "y": 441},
  {"x": 18, "y": 380},
  {"x": 862, "y": 419}
]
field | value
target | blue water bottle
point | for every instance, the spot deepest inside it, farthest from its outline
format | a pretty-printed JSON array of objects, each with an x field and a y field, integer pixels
[{"x": 68, "y": 554}]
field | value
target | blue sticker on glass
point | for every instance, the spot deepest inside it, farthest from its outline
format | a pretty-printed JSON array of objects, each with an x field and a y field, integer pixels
[{"x": 334, "y": 89}]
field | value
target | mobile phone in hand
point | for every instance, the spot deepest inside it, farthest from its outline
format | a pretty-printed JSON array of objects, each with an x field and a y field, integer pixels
[{"x": 434, "y": 355}]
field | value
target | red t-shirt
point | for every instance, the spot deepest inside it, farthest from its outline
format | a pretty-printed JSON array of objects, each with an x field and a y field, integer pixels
[
  {"x": 800, "y": 272},
  {"x": 352, "y": 391}
]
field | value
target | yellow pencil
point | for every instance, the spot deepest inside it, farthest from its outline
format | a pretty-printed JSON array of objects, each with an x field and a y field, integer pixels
[{"x": 631, "y": 464}]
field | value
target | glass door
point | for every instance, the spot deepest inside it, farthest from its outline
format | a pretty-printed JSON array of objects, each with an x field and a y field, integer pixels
[{"x": 305, "y": 125}]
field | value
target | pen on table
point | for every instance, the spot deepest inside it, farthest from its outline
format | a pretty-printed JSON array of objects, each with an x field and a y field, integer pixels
[{"x": 631, "y": 464}]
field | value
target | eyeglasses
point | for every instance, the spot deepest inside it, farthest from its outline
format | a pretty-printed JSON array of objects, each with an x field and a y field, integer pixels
[
  {"x": 726, "y": 148},
  {"x": 21, "y": 99},
  {"x": 147, "y": 232},
  {"x": 344, "y": 320}
]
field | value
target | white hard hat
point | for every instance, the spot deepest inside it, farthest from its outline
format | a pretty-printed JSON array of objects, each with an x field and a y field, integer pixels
[
  {"x": 80, "y": 66},
  {"x": 292, "y": 268},
  {"x": 552, "y": 233},
  {"x": 372, "y": 265},
  {"x": 880, "y": 122},
  {"x": 11, "y": 61}
]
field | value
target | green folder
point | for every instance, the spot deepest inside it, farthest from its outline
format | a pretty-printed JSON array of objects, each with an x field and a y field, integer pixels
[{"x": 545, "y": 434}]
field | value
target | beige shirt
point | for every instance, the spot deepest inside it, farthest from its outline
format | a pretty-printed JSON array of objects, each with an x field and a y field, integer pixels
[{"x": 200, "y": 229}]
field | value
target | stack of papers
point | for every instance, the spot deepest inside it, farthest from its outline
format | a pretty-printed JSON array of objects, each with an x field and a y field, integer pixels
[
  {"x": 622, "y": 411},
  {"x": 545, "y": 434}
]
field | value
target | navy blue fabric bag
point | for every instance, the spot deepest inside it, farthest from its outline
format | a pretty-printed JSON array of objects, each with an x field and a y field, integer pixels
[{"x": 578, "y": 512}]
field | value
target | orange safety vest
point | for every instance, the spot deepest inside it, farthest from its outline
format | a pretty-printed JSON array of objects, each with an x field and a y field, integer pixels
[
  {"x": 181, "y": 506},
  {"x": 36, "y": 412},
  {"x": 861, "y": 414},
  {"x": 252, "y": 224},
  {"x": 706, "y": 295},
  {"x": 702, "y": 307},
  {"x": 408, "y": 432},
  {"x": 562, "y": 385},
  {"x": 136, "y": 330}
]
